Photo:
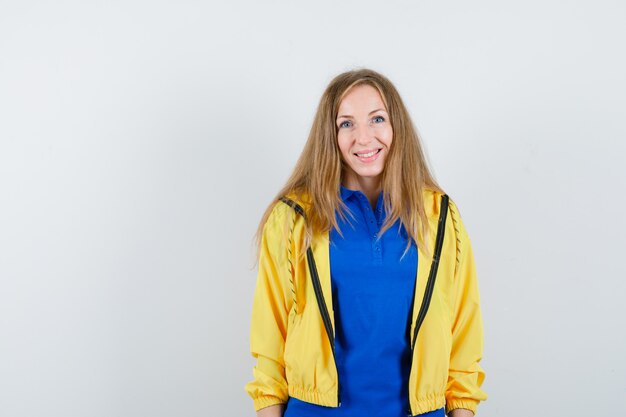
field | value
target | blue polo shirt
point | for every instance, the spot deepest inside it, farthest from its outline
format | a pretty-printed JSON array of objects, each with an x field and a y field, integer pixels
[{"x": 372, "y": 293}]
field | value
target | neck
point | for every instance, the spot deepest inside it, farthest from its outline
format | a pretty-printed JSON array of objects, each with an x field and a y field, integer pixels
[{"x": 371, "y": 187}]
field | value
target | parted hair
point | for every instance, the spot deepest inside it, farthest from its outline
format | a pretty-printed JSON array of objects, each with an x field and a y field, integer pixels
[{"x": 319, "y": 169}]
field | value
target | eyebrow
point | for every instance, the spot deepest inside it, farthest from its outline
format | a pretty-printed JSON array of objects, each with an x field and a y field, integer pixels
[{"x": 348, "y": 116}]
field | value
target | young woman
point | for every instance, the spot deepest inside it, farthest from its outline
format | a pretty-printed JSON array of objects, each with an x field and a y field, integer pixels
[{"x": 366, "y": 300}]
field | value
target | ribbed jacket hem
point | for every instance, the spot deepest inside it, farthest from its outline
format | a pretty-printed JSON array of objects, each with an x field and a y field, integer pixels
[
  {"x": 328, "y": 399},
  {"x": 427, "y": 403}
]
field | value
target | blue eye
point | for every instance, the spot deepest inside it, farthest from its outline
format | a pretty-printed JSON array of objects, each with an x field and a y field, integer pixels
[
  {"x": 343, "y": 123},
  {"x": 382, "y": 119}
]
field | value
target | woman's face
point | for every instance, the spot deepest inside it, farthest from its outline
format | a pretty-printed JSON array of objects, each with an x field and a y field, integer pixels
[{"x": 364, "y": 135}]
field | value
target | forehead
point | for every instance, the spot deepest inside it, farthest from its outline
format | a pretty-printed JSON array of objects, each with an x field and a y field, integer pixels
[{"x": 362, "y": 97}]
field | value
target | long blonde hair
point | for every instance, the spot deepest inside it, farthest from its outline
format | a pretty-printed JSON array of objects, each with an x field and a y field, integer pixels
[{"x": 318, "y": 171}]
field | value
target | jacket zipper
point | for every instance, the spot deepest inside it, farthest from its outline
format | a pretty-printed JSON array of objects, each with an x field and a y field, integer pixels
[
  {"x": 319, "y": 296},
  {"x": 430, "y": 285}
]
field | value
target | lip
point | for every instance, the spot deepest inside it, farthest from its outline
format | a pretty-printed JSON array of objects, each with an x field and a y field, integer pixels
[{"x": 371, "y": 158}]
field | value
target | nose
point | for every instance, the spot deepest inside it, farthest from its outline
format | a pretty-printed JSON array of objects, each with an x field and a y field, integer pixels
[{"x": 363, "y": 134}]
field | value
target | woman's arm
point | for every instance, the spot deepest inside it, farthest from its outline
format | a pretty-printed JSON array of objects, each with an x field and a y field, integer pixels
[
  {"x": 271, "y": 303},
  {"x": 271, "y": 411},
  {"x": 465, "y": 375}
]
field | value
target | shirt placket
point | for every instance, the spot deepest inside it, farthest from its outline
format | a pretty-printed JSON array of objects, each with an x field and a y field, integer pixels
[{"x": 373, "y": 227}]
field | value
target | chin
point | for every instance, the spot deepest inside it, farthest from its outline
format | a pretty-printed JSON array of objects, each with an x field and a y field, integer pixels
[{"x": 368, "y": 173}]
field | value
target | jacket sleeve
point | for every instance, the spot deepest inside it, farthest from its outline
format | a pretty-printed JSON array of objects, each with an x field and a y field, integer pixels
[
  {"x": 465, "y": 375},
  {"x": 270, "y": 307}
]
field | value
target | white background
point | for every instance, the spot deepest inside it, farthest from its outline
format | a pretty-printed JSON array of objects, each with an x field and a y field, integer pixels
[{"x": 140, "y": 142}]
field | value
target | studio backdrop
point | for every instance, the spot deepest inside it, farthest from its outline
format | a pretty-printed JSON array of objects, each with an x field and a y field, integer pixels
[{"x": 141, "y": 141}]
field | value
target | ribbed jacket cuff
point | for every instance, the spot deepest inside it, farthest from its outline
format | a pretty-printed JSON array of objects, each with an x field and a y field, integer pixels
[
  {"x": 265, "y": 401},
  {"x": 461, "y": 403}
]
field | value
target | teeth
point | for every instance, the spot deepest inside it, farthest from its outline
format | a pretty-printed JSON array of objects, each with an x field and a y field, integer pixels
[{"x": 366, "y": 155}]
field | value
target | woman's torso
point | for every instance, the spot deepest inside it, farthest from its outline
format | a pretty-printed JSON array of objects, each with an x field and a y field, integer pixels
[{"x": 372, "y": 293}]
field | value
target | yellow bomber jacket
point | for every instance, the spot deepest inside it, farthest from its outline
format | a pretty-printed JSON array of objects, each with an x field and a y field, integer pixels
[{"x": 292, "y": 327}]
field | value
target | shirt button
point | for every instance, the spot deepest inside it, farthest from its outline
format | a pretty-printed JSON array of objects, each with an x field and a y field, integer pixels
[{"x": 377, "y": 248}]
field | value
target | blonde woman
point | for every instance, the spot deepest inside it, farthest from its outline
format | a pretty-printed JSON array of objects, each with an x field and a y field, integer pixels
[{"x": 366, "y": 300}]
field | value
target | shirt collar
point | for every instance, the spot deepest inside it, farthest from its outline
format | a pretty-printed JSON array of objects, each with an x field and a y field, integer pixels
[{"x": 346, "y": 192}]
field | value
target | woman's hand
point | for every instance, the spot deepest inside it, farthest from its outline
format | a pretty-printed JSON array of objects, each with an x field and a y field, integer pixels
[
  {"x": 461, "y": 412},
  {"x": 276, "y": 411}
]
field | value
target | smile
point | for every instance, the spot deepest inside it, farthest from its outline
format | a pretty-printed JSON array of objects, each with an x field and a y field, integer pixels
[{"x": 368, "y": 157}]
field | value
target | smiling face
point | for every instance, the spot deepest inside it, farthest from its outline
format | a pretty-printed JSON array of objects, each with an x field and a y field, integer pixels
[{"x": 364, "y": 135}]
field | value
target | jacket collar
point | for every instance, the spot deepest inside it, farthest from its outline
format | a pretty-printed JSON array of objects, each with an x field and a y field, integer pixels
[{"x": 431, "y": 197}]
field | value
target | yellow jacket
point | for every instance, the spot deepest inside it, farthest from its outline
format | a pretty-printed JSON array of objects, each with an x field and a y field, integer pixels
[{"x": 292, "y": 326}]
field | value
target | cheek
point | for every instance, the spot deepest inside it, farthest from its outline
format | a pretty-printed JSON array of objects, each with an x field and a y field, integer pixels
[
  {"x": 344, "y": 144},
  {"x": 385, "y": 134},
  {"x": 388, "y": 136}
]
